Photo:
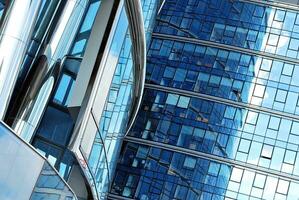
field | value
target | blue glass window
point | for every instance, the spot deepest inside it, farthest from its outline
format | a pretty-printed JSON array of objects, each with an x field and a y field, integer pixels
[
  {"x": 183, "y": 102},
  {"x": 64, "y": 90},
  {"x": 189, "y": 162},
  {"x": 90, "y": 16},
  {"x": 172, "y": 99}
]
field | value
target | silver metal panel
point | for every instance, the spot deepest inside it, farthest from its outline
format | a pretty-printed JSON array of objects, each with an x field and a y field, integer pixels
[
  {"x": 85, "y": 73},
  {"x": 15, "y": 32},
  {"x": 90, "y": 55}
]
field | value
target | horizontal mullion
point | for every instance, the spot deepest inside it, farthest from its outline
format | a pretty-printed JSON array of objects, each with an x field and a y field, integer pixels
[
  {"x": 202, "y": 155},
  {"x": 225, "y": 47},
  {"x": 275, "y": 4},
  {"x": 223, "y": 101}
]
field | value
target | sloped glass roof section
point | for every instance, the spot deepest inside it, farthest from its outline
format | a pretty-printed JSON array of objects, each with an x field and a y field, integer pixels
[{"x": 41, "y": 180}]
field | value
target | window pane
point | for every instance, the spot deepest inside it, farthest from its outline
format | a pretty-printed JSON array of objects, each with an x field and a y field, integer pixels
[{"x": 62, "y": 89}]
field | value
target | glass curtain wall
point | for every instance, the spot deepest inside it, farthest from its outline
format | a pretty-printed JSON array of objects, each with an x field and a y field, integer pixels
[{"x": 219, "y": 115}]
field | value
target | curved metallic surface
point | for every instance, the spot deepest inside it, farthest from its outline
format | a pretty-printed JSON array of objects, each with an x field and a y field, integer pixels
[
  {"x": 36, "y": 173},
  {"x": 39, "y": 89},
  {"x": 37, "y": 95},
  {"x": 29, "y": 90},
  {"x": 15, "y": 31},
  {"x": 42, "y": 30},
  {"x": 136, "y": 27},
  {"x": 85, "y": 71}
]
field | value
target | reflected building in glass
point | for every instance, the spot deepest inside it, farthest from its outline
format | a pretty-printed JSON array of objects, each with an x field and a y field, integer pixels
[{"x": 219, "y": 116}]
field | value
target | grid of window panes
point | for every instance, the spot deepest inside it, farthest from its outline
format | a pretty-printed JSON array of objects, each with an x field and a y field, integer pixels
[
  {"x": 249, "y": 136},
  {"x": 251, "y": 79},
  {"x": 237, "y": 23},
  {"x": 221, "y": 85},
  {"x": 149, "y": 10},
  {"x": 165, "y": 174}
]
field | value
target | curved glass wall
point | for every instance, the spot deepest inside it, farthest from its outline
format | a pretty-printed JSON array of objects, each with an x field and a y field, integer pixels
[
  {"x": 56, "y": 126},
  {"x": 47, "y": 12},
  {"x": 219, "y": 113},
  {"x": 38, "y": 180}
]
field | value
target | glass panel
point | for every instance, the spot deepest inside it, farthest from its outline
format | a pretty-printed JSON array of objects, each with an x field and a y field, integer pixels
[
  {"x": 41, "y": 180},
  {"x": 62, "y": 90},
  {"x": 90, "y": 16}
]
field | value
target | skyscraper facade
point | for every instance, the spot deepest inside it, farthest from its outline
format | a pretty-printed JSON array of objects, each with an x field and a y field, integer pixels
[{"x": 219, "y": 117}]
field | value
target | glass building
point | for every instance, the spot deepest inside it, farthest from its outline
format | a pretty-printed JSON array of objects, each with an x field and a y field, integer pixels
[
  {"x": 219, "y": 117},
  {"x": 149, "y": 99},
  {"x": 71, "y": 82}
]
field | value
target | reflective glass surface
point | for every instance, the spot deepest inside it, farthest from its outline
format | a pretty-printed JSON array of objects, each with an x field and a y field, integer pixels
[
  {"x": 219, "y": 114},
  {"x": 47, "y": 182},
  {"x": 237, "y": 76},
  {"x": 244, "y": 135},
  {"x": 24, "y": 174},
  {"x": 112, "y": 123},
  {"x": 237, "y": 23},
  {"x": 162, "y": 174}
]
